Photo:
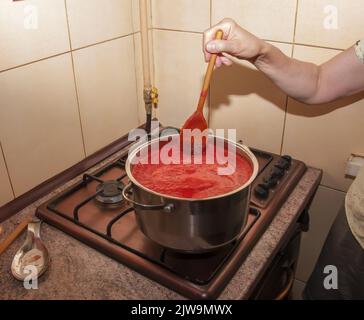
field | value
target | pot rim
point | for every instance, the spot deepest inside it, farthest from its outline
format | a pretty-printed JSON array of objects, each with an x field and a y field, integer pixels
[{"x": 244, "y": 148}]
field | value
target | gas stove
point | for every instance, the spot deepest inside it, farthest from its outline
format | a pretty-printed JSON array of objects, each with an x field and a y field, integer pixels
[{"x": 94, "y": 211}]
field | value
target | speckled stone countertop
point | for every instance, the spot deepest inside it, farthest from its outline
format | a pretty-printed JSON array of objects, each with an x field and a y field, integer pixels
[{"x": 80, "y": 272}]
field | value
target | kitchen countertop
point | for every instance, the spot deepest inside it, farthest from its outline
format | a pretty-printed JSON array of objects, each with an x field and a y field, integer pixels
[{"x": 80, "y": 272}]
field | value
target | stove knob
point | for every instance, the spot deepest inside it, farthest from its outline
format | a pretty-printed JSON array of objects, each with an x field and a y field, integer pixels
[
  {"x": 265, "y": 185},
  {"x": 283, "y": 164},
  {"x": 261, "y": 192},
  {"x": 287, "y": 158},
  {"x": 277, "y": 172},
  {"x": 270, "y": 181}
]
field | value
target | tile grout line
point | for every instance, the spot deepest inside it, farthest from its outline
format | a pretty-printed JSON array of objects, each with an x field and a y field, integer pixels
[
  {"x": 287, "y": 97},
  {"x": 7, "y": 170},
  {"x": 65, "y": 52},
  {"x": 75, "y": 82},
  {"x": 270, "y": 40},
  {"x": 284, "y": 124},
  {"x": 303, "y": 44},
  {"x": 34, "y": 61},
  {"x": 332, "y": 188},
  {"x": 316, "y": 46},
  {"x": 176, "y": 30},
  {"x": 104, "y": 41},
  {"x": 295, "y": 22}
]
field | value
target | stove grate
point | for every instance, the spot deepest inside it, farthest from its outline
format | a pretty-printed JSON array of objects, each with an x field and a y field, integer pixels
[{"x": 162, "y": 260}]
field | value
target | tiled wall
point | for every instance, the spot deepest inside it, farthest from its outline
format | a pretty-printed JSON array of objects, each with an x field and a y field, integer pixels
[
  {"x": 242, "y": 98},
  {"x": 68, "y": 84}
]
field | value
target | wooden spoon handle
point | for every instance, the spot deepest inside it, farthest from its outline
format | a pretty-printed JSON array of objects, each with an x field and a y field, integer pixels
[
  {"x": 12, "y": 236},
  {"x": 208, "y": 75}
]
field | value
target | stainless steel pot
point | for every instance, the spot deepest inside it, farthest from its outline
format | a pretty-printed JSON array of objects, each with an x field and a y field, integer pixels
[{"x": 190, "y": 225}]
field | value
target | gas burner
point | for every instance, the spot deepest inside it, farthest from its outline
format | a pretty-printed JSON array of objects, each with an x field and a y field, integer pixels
[
  {"x": 111, "y": 192},
  {"x": 111, "y": 226}
]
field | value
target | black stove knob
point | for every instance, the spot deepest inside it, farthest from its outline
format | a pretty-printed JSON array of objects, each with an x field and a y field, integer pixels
[
  {"x": 277, "y": 172},
  {"x": 287, "y": 158},
  {"x": 261, "y": 192},
  {"x": 270, "y": 181},
  {"x": 283, "y": 164}
]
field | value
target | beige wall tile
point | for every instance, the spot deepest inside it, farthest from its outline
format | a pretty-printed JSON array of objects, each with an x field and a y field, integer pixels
[
  {"x": 93, "y": 21},
  {"x": 186, "y": 15},
  {"x": 323, "y": 211},
  {"x": 6, "y": 193},
  {"x": 315, "y": 26},
  {"x": 31, "y": 30},
  {"x": 106, "y": 85},
  {"x": 244, "y": 99},
  {"x": 179, "y": 71},
  {"x": 39, "y": 121},
  {"x": 325, "y": 136},
  {"x": 270, "y": 20}
]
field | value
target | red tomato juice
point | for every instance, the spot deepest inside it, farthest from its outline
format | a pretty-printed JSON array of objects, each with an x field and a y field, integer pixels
[{"x": 190, "y": 180}]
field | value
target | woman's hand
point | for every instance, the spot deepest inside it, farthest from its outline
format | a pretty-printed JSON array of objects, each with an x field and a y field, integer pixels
[
  {"x": 341, "y": 76},
  {"x": 236, "y": 42}
]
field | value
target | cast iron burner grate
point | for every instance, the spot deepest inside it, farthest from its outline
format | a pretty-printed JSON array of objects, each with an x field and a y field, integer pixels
[
  {"x": 196, "y": 268},
  {"x": 112, "y": 229}
]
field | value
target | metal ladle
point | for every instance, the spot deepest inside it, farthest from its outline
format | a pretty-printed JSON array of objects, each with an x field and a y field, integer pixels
[{"x": 32, "y": 253}]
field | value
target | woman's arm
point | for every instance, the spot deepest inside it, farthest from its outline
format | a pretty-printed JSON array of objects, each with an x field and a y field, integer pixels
[{"x": 341, "y": 76}]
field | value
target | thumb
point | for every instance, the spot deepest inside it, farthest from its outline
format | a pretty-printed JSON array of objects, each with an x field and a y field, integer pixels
[{"x": 219, "y": 46}]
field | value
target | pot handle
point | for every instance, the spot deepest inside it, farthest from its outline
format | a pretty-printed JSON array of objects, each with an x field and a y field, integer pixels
[{"x": 168, "y": 208}]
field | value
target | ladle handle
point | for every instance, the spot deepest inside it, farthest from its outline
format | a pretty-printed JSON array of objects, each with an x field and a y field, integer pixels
[
  {"x": 34, "y": 226},
  {"x": 208, "y": 75},
  {"x": 12, "y": 236}
]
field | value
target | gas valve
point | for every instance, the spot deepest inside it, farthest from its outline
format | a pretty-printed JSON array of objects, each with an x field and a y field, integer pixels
[{"x": 154, "y": 96}]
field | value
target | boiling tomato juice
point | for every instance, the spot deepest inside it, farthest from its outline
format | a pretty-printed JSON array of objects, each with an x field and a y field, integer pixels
[{"x": 195, "y": 176}]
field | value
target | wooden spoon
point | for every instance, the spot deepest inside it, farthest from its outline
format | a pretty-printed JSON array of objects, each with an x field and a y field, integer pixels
[{"x": 197, "y": 119}]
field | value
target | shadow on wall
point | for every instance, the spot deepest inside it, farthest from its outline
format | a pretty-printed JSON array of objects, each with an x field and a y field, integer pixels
[{"x": 240, "y": 80}]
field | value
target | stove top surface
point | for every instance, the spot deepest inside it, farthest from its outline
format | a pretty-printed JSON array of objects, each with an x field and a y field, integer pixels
[{"x": 94, "y": 212}]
